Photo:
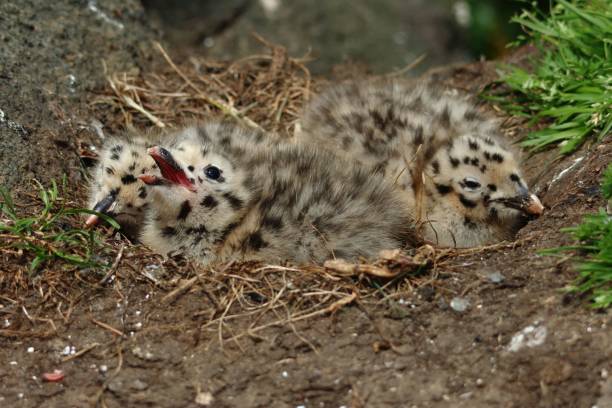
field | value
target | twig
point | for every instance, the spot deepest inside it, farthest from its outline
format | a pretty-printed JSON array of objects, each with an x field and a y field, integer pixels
[
  {"x": 113, "y": 266},
  {"x": 329, "y": 309},
  {"x": 353, "y": 269},
  {"x": 226, "y": 109},
  {"x": 108, "y": 327},
  {"x": 407, "y": 68},
  {"x": 98, "y": 397},
  {"x": 41, "y": 319},
  {"x": 130, "y": 102},
  {"x": 184, "y": 287}
]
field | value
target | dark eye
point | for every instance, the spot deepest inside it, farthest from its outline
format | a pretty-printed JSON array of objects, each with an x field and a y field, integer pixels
[
  {"x": 212, "y": 172},
  {"x": 471, "y": 183}
]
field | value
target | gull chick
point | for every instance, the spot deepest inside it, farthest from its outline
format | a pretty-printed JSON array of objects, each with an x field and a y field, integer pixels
[
  {"x": 459, "y": 178},
  {"x": 224, "y": 194},
  {"x": 115, "y": 189}
]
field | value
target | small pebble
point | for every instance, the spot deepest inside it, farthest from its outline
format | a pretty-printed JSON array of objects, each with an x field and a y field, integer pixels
[
  {"x": 442, "y": 303},
  {"x": 496, "y": 277},
  {"x": 139, "y": 385},
  {"x": 30, "y": 349},
  {"x": 204, "y": 398},
  {"x": 459, "y": 304}
]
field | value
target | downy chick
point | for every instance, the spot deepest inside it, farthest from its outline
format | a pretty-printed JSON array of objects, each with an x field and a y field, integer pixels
[
  {"x": 115, "y": 189},
  {"x": 226, "y": 194},
  {"x": 460, "y": 180}
]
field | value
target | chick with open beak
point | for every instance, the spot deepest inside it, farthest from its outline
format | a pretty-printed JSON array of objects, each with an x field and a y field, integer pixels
[
  {"x": 227, "y": 195},
  {"x": 171, "y": 171}
]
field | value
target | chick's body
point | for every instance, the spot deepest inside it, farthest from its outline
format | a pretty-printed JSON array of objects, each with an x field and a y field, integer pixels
[
  {"x": 458, "y": 179},
  {"x": 247, "y": 199}
]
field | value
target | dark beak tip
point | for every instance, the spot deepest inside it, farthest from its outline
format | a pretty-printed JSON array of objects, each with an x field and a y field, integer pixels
[{"x": 103, "y": 205}]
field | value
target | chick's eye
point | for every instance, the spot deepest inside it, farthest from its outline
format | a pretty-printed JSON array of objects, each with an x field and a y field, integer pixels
[
  {"x": 471, "y": 184},
  {"x": 212, "y": 172}
]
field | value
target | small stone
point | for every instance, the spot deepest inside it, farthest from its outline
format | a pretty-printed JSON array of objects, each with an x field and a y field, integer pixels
[
  {"x": 530, "y": 336},
  {"x": 495, "y": 277},
  {"x": 466, "y": 395},
  {"x": 30, "y": 349},
  {"x": 115, "y": 385},
  {"x": 459, "y": 304},
  {"x": 442, "y": 303},
  {"x": 144, "y": 354},
  {"x": 427, "y": 293},
  {"x": 204, "y": 398},
  {"x": 139, "y": 385}
]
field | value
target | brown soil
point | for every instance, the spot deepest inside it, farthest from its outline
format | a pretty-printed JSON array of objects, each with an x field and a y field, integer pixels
[{"x": 169, "y": 334}]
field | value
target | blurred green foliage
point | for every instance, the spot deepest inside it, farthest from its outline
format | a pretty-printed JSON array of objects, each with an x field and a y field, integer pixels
[{"x": 489, "y": 27}]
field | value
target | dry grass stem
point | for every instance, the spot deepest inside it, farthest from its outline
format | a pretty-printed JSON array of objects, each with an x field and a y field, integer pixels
[
  {"x": 272, "y": 88},
  {"x": 108, "y": 327}
]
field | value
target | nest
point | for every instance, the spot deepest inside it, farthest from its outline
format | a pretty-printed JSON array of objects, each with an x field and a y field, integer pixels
[{"x": 267, "y": 91}]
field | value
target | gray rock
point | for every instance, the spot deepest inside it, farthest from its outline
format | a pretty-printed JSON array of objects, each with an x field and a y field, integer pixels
[
  {"x": 459, "y": 304},
  {"x": 495, "y": 277},
  {"x": 51, "y": 56},
  {"x": 382, "y": 34}
]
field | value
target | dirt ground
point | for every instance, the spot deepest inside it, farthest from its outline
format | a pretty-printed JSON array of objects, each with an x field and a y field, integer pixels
[{"x": 487, "y": 327}]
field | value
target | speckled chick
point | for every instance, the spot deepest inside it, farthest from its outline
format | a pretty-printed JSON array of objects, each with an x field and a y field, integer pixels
[
  {"x": 115, "y": 189},
  {"x": 226, "y": 194},
  {"x": 460, "y": 180}
]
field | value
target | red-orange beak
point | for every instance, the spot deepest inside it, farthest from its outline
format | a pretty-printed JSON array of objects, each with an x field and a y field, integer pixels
[{"x": 170, "y": 170}]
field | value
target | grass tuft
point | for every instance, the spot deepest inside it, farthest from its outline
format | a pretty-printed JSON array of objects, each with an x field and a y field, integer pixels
[
  {"x": 49, "y": 235},
  {"x": 570, "y": 84},
  {"x": 594, "y": 251}
]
